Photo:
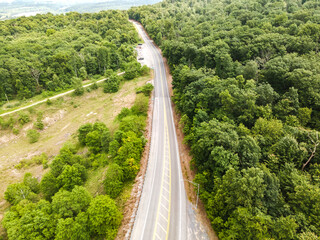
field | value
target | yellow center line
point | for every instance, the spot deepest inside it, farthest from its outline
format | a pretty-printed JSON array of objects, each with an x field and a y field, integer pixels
[
  {"x": 164, "y": 167},
  {"x": 167, "y": 133}
]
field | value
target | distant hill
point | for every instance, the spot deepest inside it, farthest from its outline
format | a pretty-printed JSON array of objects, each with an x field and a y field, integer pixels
[
  {"x": 18, "y": 8},
  {"x": 112, "y": 4}
]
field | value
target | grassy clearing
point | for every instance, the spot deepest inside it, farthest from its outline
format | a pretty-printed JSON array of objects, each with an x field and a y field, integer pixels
[
  {"x": 94, "y": 184},
  {"x": 61, "y": 120},
  {"x": 16, "y": 104}
]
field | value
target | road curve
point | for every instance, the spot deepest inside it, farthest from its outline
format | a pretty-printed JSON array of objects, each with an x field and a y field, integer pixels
[{"x": 162, "y": 211}]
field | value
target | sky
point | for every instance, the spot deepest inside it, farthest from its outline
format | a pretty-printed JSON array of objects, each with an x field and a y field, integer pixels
[{"x": 58, "y": 1}]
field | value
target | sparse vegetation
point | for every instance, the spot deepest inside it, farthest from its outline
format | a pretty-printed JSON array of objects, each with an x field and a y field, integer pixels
[
  {"x": 33, "y": 135},
  {"x": 35, "y": 160}
]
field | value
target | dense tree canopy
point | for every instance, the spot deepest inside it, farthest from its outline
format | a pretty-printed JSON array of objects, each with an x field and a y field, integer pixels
[
  {"x": 246, "y": 81},
  {"x": 45, "y": 52}
]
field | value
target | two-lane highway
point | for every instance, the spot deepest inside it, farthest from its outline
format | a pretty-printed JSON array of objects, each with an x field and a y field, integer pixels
[{"x": 162, "y": 212}]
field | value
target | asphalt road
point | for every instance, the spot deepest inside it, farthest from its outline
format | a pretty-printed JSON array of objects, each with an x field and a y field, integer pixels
[{"x": 162, "y": 211}]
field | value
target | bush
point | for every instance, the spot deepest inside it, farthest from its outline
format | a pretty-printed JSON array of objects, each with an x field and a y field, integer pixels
[
  {"x": 39, "y": 124},
  {"x": 17, "y": 192},
  {"x": 36, "y": 160},
  {"x": 133, "y": 123},
  {"x": 49, "y": 185},
  {"x": 15, "y": 131},
  {"x": 72, "y": 176},
  {"x": 83, "y": 131},
  {"x": 146, "y": 89},
  {"x": 113, "y": 182},
  {"x": 112, "y": 84},
  {"x": 113, "y": 148},
  {"x": 132, "y": 70},
  {"x": 1, "y": 122},
  {"x": 104, "y": 217},
  {"x": 141, "y": 105},
  {"x": 31, "y": 182},
  {"x": 23, "y": 118},
  {"x": 144, "y": 70},
  {"x": 33, "y": 135},
  {"x": 94, "y": 86},
  {"x": 83, "y": 73},
  {"x": 124, "y": 113},
  {"x": 49, "y": 102},
  {"x": 79, "y": 91},
  {"x": 93, "y": 141},
  {"x": 7, "y": 124}
]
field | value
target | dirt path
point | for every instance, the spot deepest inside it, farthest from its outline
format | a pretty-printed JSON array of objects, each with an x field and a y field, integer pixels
[{"x": 52, "y": 98}]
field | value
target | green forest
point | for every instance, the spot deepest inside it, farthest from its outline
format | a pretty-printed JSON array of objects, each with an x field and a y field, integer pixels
[
  {"x": 50, "y": 53},
  {"x": 60, "y": 206},
  {"x": 246, "y": 80}
]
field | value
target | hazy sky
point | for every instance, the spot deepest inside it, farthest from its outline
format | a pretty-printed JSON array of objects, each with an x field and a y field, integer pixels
[{"x": 58, "y": 1}]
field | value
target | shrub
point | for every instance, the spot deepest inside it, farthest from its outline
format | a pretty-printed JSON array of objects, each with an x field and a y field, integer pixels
[
  {"x": 78, "y": 91},
  {"x": 49, "y": 185},
  {"x": 33, "y": 135},
  {"x": 144, "y": 70},
  {"x": 133, "y": 123},
  {"x": 132, "y": 70},
  {"x": 83, "y": 73},
  {"x": 113, "y": 148},
  {"x": 39, "y": 124},
  {"x": 1, "y": 122},
  {"x": 7, "y": 124},
  {"x": 36, "y": 160},
  {"x": 49, "y": 102},
  {"x": 83, "y": 131},
  {"x": 112, "y": 84},
  {"x": 146, "y": 89},
  {"x": 104, "y": 217},
  {"x": 15, "y": 131},
  {"x": 124, "y": 113},
  {"x": 93, "y": 141},
  {"x": 141, "y": 105},
  {"x": 113, "y": 182},
  {"x": 94, "y": 86},
  {"x": 23, "y": 118},
  {"x": 105, "y": 140},
  {"x": 17, "y": 192},
  {"x": 72, "y": 176},
  {"x": 31, "y": 182}
]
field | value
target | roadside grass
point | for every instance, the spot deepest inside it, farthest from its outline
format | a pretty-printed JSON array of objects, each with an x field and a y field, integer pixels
[
  {"x": 61, "y": 121},
  {"x": 125, "y": 195},
  {"x": 94, "y": 184}
]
